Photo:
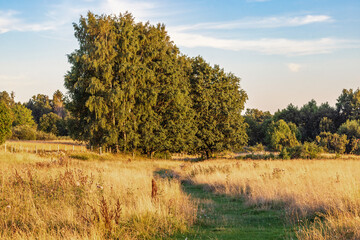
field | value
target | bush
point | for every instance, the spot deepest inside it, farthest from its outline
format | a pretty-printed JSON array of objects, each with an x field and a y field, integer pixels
[
  {"x": 305, "y": 151},
  {"x": 40, "y": 135},
  {"x": 332, "y": 142},
  {"x": 284, "y": 154},
  {"x": 24, "y": 132},
  {"x": 257, "y": 148}
]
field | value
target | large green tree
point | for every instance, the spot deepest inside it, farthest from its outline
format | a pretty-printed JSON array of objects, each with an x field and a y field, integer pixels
[
  {"x": 128, "y": 86},
  {"x": 218, "y": 101}
]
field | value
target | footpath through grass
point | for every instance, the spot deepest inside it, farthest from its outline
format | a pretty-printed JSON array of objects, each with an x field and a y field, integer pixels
[{"x": 222, "y": 217}]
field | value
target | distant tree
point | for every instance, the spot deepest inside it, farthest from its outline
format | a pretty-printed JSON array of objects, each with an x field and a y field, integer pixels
[
  {"x": 326, "y": 125},
  {"x": 351, "y": 128},
  {"x": 5, "y": 122},
  {"x": 308, "y": 118},
  {"x": 348, "y": 105},
  {"x": 256, "y": 120},
  {"x": 48, "y": 123},
  {"x": 22, "y": 116},
  {"x": 39, "y": 105},
  {"x": 218, "y": 101},
  {"x": 280, "y": 135},
  {"x": 7, "y": 99},
  {"x": 58, "y": 104}
]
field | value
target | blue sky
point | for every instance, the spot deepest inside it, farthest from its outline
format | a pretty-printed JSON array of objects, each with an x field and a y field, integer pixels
[{"x": 285, "y": 51}]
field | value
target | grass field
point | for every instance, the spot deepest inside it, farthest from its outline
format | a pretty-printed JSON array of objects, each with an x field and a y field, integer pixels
[{"x": 82, "y": 195}]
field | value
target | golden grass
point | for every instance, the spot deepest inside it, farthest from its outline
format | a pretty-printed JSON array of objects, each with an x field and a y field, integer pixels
[
  {"x": 43, "y": 146},
  {"x": 307, "y": 189},
  {"x": 62, "y": 198}
]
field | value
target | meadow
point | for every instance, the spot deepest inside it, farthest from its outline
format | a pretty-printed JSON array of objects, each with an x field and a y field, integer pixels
[{"x": 84, "y": 195}]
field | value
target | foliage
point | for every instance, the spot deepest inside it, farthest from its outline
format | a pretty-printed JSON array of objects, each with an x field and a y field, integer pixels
[
  {"x": 308, "y": 150},
  {"x": 22, "y": 116},
  {"x": 24, "y": 132},
  {"x": 256, "y": 120},
  {"x": 5, "y": 122},
  {"x": 218, "y": 102},
  {"x": 351, "y": 128},
  {"x": 39, "y": 105},
  {"x": 311, "y": 119},
  {"x": 7, "y": 99},
  {"x": 256, "y": 148},
  {"x": 348, "y": 105},
  {"x": 58, "y": 104},
  {"x": 284, "y": 154},
  {"x": 332, "y": 142},
  {"x": 281, "y": 135},
  {"x": 48, "y": 123},
  {"x": 129, "y": 89},
  {"x": 326, "y": 125}
]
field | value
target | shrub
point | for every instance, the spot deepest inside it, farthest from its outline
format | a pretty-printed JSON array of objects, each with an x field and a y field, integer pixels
[
  {"x": 24, "y": 132},
  {"x": 257, "y": 148},
  {"x": 284, "y": 154},
  {"x": 40, "y": 135},
  {"x": 305, "y": 151},
  {"x": 332, "y": 142}
]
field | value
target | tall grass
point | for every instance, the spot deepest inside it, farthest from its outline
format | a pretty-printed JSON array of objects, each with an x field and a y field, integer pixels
[
  {"x": 63, "y": 198},
  {"x": 325, "y": 191}
]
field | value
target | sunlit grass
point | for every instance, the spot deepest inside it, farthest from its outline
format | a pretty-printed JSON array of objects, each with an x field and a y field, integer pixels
[{"x": 57, "y": 197}]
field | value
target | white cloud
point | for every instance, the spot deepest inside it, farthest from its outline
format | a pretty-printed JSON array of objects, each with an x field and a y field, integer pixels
[
  {"x": 278, "y": 46},
  {"x": 294, "y": 67},
  {"x": 268, "y": 22},
  {"x": 10, "y": 22},
  {"x": 142, "y": 10}
]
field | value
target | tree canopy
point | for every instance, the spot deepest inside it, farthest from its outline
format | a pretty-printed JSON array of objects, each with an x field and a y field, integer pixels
[{"x": 131, "y": 89}]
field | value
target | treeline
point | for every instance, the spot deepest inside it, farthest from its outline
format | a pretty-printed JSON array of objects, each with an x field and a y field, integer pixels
[
  {"x": 334, "y": 129},
  {"x": 130, "y": 89},
  {"x": 41, "y": 118}
]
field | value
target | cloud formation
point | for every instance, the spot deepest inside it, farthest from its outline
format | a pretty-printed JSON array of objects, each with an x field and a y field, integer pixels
[
  {"x": 267, "y": 22},
  {"x": 277, "y": 46}
]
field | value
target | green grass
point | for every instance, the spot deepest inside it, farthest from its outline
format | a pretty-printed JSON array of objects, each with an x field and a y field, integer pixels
[{"x": 222, "y": 217}]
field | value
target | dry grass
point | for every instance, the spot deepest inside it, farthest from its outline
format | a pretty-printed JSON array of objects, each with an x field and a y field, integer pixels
[
  {"x": 43, "y": 146},
  {"x": 325, "y": 190},
  {"x": 62, "y": 198}
]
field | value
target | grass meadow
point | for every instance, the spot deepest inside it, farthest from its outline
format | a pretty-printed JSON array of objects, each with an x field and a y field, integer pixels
[{"x": 83, "y": 195}]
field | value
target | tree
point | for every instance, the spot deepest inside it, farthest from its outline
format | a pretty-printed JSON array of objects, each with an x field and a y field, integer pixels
[
  {"x": 351, "y": 128},
  {"x": 58, "y": 104},
  {"x": 39, "y": 105},
  {"x": 22, "y": 116},
  {"x": 128, "y": 86},
  {"x": 7, "y": 99},
  {"x": 256, "y": 120},
  {"x": 218, "y": 101},
  {"x": 348, "y": 105},
  {"x": 48, "y": 123},
  {"x": 281, "y": 135},
  {"x": 5, "y": 122}
]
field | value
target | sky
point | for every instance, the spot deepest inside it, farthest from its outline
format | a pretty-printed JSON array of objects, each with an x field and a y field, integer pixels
[{"x": 284, "y": 51}]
